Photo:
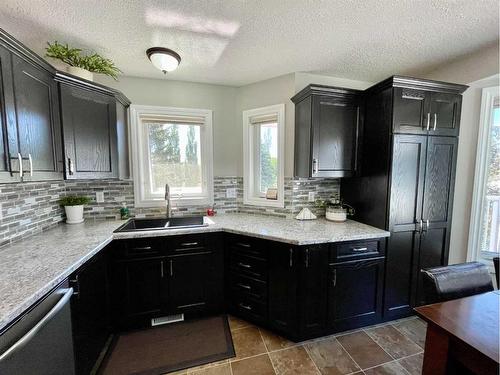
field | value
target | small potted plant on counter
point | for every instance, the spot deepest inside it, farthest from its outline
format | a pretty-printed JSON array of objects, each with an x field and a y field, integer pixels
[
  {"x": 73, "y": 206},
  {"x": 82, "y": 66},
  {"x": 335, "y": 209}
]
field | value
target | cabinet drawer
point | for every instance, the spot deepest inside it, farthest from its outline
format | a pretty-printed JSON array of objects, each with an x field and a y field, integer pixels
[
  {"x": 139, "y": 248},
  {"x": 246, "y": 307},
  {"x": 247, "y": 246},
  {"x": 249, "y": 266},
  {"x": 248, "y": 286},
  {"x": 356, "y": 250},
  {"x": 188, "y": 243}
]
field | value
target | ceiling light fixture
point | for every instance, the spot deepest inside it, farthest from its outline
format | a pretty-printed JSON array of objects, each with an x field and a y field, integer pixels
[{"x": 163, "y": 58}]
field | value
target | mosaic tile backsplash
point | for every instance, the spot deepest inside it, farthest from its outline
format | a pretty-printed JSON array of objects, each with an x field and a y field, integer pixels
[{"x": 28, "y": 208}]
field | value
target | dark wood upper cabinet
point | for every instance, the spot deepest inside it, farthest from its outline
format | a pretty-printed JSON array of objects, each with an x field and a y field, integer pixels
[
  {"x": 426, "y": 112},
  {"x": 31, "y": 127},
  {"x": 90, "y": 133},
  {"x": 328, "y": 122},
  {"x": 408, "y": 176}
]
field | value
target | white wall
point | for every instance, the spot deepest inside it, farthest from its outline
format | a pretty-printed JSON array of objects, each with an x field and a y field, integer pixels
[{"x": 220, "y": 99}]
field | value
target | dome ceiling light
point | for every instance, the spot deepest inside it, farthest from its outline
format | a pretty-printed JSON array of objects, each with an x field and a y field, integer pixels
[{"x": 163, "y": 58}]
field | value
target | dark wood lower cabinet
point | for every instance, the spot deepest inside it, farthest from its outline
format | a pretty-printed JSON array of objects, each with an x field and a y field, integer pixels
[
  {"x": 90, "y": 312},
  {"x": 158, "y": 278},
  {"x": 355, "y": 293}
]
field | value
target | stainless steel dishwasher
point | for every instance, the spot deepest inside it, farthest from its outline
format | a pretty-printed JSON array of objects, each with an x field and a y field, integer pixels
[{"x": 40, "y": 342}]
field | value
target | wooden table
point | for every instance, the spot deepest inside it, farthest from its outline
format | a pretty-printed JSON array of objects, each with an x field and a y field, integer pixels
[{"x": 464, "y": 330}]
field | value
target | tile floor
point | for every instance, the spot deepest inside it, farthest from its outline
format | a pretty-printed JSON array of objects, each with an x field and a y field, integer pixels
[{"x": 391, "y": 348}]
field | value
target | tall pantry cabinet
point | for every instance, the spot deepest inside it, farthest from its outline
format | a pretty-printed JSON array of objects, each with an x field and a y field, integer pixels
[{"x": 407, "y": 180}]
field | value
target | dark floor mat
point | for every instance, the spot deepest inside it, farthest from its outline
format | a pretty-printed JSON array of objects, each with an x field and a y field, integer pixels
[{"x": 169, "y": 348}]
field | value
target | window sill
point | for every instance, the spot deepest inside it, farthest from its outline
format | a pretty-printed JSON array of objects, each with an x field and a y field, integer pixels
[{"x": 264, "y": 202}]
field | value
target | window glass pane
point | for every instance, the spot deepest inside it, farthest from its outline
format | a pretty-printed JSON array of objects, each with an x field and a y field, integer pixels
[
  {"x": 175, "y": 158},
  {"x": 268, "y": 163},
  {"x": 490, "y": 236}
]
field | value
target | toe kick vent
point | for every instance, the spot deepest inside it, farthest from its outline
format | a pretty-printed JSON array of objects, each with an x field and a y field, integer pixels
[{"x": 167, "y": 319}]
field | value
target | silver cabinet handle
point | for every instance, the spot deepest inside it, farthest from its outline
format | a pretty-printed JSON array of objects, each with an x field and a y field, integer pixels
[
  {"x": 428, "y": 120},
  {"x": 247, "y": 287},
  {"x": 23, "y": 341},
  {"x": 290, "y": 252},
  {"x": 70, "y": 166},
  {"x": 161, "y": 269},
  {"x": 359, "y": 249},
  {"x": 31, "y": 164},
  {"x": 315, "y": 165},
  {"x": 246, "y": 307},
  {"x": 244, "y": 265},
  {"x": 435, "y": 121},
  {"x": 334, "y": 277},
  {"x": 20, "y": 158},
  {"x": 307, "y": 258},
  {"x": 243, "y": 244},
  {"x": 421, "y": 226},
  {"x": 189, "y": 243},
  {"x": 142, "y": 248},
  {"x": 171, "y": 268},
  {"x": 426, "y": 225}
]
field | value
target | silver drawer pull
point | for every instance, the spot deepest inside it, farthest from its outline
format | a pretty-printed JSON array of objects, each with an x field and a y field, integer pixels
[
  {"x": 359, "y": 249},
  {"x": 247, "y": 287},
  {"x": 189, "y": 243},
  {"x": 142, "y": 248},
  {"x": 243, "y": 244},
  {"x": 246, "y": 307},
  {"x": 244, "y": 265}
]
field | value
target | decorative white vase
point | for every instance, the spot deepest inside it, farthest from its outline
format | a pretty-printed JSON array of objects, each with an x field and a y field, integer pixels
[
  {"x": 336, "y": 214},
  {"x": 74, "y": 214},
  {"x": 80, "y": 72}
]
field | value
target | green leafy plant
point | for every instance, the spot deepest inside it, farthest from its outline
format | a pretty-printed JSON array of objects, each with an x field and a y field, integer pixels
[
  {"x": 335, "y": 202},
  {"x": 73, "y": 200},
  {"x": 73, "y": 56}
]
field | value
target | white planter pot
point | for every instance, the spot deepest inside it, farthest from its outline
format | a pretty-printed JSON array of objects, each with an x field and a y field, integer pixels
[
  {"x": 80, "y": 72},
  {"x": 74, "y": 214},
  {"x": 337, "y": 215}
]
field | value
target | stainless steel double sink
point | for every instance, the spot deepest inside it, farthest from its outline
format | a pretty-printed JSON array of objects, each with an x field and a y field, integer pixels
[{"x": 136, "y": 225}]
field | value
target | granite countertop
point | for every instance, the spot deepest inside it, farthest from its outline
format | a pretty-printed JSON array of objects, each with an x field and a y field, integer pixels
[{"x": 32, "y": 267}]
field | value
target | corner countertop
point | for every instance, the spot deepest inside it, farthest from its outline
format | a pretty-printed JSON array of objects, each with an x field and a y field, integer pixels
[{"x": 34, "y": 266}]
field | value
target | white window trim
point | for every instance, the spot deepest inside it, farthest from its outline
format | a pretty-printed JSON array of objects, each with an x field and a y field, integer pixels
[
  {"x": 480, "y": 175},
  {"x": 248, "y": 162},
  {"x": 139, "y": 153}
]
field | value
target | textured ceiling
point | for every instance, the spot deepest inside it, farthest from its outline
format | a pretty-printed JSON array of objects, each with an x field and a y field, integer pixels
[{"x": 235, "y": 42}]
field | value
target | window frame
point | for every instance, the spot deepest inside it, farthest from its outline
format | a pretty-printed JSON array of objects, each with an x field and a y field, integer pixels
[
  {"x": 140, "y": 155},
  {"x": 250, "y": 163},
  {"x": 474, "y": 253}
]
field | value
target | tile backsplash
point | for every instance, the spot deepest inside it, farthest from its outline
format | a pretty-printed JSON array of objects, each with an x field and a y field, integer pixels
[{"x": 30, "y": 207}]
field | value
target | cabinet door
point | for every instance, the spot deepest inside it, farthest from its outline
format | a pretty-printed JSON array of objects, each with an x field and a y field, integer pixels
[
  {"x": 355, "y": 293},
  {"x": 90, "y": 134},
  {"x": 89, "y": 311},
  {"x": 283, "y": 288},
  {"x": 445, "y": 113},
  {"x": 407, "y": 185},
  {"x": 437, "y": 205},
  {"x": 192, "y": 283},
  {"x": 313, "y": 276},
  {"x": 335, "y": 137},
  {"x": 38, "y": 126},
  {"x": 139, "y": 290},
  {"x": 7, "y": 120},
  {"x": 411, "y": 111}
]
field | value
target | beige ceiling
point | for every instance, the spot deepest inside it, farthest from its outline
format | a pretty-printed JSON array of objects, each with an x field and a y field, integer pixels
[{"x": 235, "y": 42}]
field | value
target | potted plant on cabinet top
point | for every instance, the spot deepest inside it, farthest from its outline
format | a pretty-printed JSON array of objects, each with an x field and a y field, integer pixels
[
  {"x": 73, "y": 206},
  {"x": 82, "y": 66},
  {"x": 335, "y": 209}
]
